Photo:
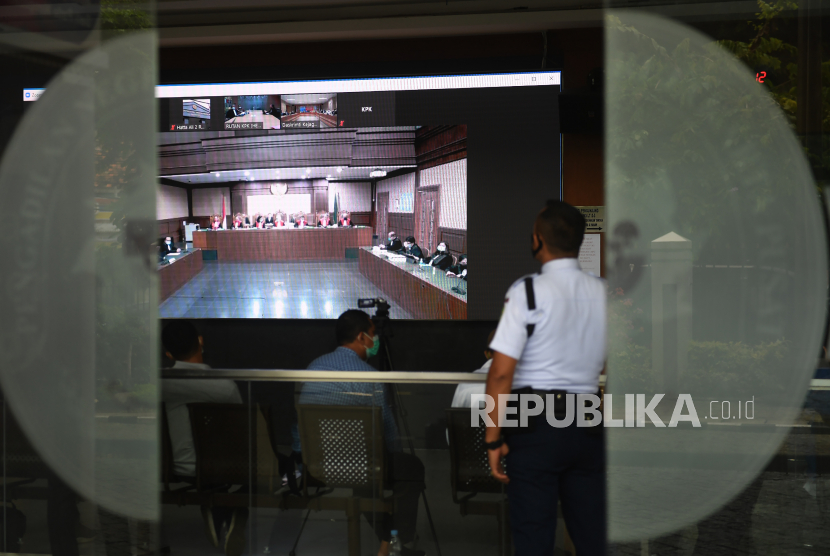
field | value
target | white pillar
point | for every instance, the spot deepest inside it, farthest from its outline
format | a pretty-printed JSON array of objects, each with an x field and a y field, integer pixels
[{"x": 671, "y": 308}]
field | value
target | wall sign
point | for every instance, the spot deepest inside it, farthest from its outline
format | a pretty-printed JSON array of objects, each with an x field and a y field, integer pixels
[
  {"x": 589, "y": 254},
  {"x": 594, "y": 218}
]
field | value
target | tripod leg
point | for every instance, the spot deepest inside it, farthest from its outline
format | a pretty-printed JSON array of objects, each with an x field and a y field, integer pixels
[
  {"x": 300, "y": 534},
  {"x": 431, "y": 523}
]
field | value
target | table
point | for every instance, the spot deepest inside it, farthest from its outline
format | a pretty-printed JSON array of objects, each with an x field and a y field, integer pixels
[
  {"x": 283, "y": 244},
  {"x": 180, "y": 271},
  {"x": 423, "y": 292}
]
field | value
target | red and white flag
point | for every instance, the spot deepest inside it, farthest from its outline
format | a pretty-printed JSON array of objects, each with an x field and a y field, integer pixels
[{"x": 224, "y": 214}]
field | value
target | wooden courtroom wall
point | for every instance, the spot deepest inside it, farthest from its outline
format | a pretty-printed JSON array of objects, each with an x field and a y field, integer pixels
[{"x": 580, "y": 50}]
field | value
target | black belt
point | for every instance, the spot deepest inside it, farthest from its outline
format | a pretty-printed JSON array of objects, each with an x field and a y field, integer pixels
[{"x": 560, "y": 399}]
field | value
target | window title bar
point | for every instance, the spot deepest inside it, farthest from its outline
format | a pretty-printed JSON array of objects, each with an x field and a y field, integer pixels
[
  {"x": 30, "y": 95},
  {"x": 480, "y": 81}
]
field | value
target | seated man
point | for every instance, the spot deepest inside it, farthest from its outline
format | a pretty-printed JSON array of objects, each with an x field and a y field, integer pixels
[
  {"x": 324, "y": 220},
  {"x": 412, "y": 250},
  {"x": 167, "y": 247},
  {"x": 237, "y": 222},
  {"x": 355, "y": 333},
  {"x": 459, "y": 269},
  {"x": 272, "y": 111},
  {"x": 464, "y": 391},
  {"x": 393, "y": 244},
  {"x": 345, "y": 219},
  {"x": 269, "y": 220},
  {"x": 183, "y": 344},
  {"x": 300, "y": 220}
]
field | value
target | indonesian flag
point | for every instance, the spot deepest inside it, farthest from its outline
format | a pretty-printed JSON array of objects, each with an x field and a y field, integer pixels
[{"x": 224, "y": 214}]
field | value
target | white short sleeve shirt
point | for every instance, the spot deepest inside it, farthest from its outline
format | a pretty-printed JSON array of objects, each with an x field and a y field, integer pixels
[{"x": 568, "y": 347}]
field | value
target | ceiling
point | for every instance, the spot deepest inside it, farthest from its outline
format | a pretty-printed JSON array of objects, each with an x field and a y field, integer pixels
[
  {"x": 218, "y": 22},
  {"x": 280, "y": 174}
]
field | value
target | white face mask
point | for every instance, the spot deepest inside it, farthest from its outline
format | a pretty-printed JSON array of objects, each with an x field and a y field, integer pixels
[
  {"x": 407, "y": 245},
  {"x": 441, "y": 248},
  {"x": 168, "y": 242}
]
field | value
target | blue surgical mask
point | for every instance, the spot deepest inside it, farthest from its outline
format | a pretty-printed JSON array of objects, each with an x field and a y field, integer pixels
[{"x": 372, "y": 351}]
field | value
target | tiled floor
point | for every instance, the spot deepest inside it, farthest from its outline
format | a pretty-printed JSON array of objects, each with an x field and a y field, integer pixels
[{"x": 292, "y": 290}]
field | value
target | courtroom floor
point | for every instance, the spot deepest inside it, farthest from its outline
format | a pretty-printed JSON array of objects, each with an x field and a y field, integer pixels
[{"x": 291, "y": 290}]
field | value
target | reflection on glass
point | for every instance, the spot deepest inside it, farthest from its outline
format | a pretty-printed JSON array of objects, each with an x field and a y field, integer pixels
[{"x": 717, "y": 272}]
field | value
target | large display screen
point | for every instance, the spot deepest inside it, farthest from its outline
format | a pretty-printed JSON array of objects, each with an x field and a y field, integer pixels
[{"x": 302, "y": 199}]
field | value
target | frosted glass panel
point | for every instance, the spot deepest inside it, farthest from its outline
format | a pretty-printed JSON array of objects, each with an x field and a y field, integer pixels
[
  {"x": 79, "y": 324},
  {"x": 717, "y": 272}
]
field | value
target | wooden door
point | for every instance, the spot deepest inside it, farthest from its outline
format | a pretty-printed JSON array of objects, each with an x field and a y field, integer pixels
[
  {"x": 382, "y": 207},
  {"x": 426, "y": 218}
]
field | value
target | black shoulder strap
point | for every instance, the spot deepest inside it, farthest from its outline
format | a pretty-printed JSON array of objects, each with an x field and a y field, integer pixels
[{"x": 531, "y": 302}]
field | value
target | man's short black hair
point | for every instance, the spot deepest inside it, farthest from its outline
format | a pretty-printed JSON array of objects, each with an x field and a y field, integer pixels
[
  {"x": 410, "y": 239},
  {"x": 181, "y": 339},
  {"x": 350, "y": 324},
  {"x": 561, "y": 226}
]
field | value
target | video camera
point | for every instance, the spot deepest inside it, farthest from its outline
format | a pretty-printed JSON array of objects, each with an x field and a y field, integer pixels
[{"x": 381, "y": 304}]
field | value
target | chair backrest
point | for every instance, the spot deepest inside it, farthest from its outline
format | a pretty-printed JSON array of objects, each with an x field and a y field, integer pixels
[
  {"x": 469, "y": 468},
  {"x": 224, "y": 436},
  {"x": 454, "y": 260},
  {"x": 343, "y": 445}
]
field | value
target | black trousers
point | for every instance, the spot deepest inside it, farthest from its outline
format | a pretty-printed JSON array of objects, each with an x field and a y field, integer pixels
[
  {"x": 545, "y": 466},
  {"x": 406, "y": 475}
]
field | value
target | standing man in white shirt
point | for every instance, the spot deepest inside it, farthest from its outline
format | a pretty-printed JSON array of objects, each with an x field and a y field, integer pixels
[
  {"x": 551, "y": 340},
  {"x": 184, "y": 345}
]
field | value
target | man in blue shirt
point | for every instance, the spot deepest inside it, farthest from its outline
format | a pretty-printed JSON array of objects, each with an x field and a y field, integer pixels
[{"x": 356, "y": 337}]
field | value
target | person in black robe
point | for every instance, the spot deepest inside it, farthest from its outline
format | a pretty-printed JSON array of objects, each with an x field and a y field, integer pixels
[
  {"x": 167, "y": 247},
  {"x": 441, "y": 258},
  {"x": 459, "y": 269},
  {"x": 345, "y": 220},
  {"x": 269, "y": 220},
  {"x": 393, "y": 244},
  {"x": 412, "y": 250},
  {"x": 323, "y": 220}
]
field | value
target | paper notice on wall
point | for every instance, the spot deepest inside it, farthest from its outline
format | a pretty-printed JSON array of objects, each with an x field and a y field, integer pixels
[{"x": 589, "y": 254}]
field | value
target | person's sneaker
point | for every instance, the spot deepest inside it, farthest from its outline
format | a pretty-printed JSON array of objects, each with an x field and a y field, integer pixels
[
  {"x": 297, "y": 476},
  {"x": 210, "y": 526},
  {"x": 235, "y": 535}
]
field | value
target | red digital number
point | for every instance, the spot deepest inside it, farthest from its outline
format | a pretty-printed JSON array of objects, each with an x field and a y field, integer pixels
[{"x": 760, "y": 76}]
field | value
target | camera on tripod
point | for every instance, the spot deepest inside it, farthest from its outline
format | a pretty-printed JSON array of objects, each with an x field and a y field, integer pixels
[{"x": 378, "y": 302}]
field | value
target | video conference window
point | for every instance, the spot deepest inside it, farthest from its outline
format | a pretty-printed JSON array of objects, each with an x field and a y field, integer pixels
[
  {"x": 303, "y": 224},
  {"x": 303, "y": 202},
  {"x": 253, "y": 112},
  {"x": 196, "y": 112},
  {"x": 308, "y": 111}
]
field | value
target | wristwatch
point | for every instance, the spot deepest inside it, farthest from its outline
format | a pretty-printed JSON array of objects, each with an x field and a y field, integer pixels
[{"x": 494, "y": 445}]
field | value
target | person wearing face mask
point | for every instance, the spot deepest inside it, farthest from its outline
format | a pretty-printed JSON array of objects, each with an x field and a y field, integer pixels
[
  {"x": 357, "y": 341},
  {"x": 183, "y": 344},
  {"x": 392, "y": 244},
  {"x": 167, "y": 247},
  {"x": 441, "y": 259},
  {"x": 550, "y": 342},
  {"x": 459, "y": 269},
  {"x": 412, "y": 250}
]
